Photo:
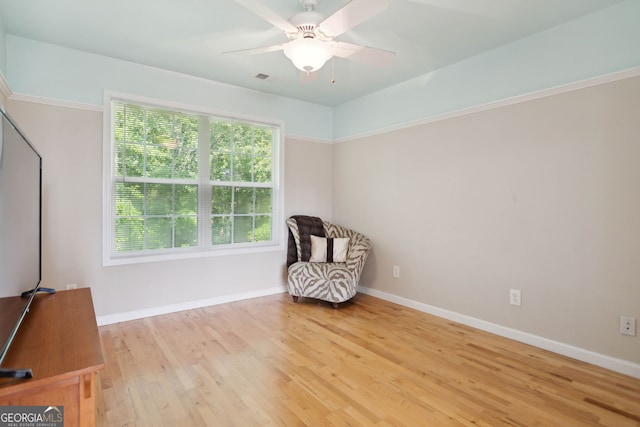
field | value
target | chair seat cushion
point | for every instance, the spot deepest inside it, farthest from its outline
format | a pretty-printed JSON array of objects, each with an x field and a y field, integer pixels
[{"x": 329, "y": 281}]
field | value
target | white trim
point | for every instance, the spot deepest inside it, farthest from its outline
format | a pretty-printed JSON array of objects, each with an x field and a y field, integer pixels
[
  {"x": 4, "y": 86},
  {"x": 595, "y": 81},
  {"x": 56, "y": 102},
  {"x": 618, "y": 365},
  {"x": 190, "y": 254},
  {"x": 608, "y": 362},
  {"x": 188, "y": 305},
  {"x": 569, "y": 87},
  {"x": 278, "y": 213},
  {"x": 109, "y": 95},
  {"x": 310, "y": 139}
]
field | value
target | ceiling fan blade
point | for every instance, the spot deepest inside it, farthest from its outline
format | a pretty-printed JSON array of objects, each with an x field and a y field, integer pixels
[
  {"x": 258, "y": 7},
  {"x": 255, "y": 50},
  {"x": 365, "y": 54},
  {"x": 352, "y": 14}
]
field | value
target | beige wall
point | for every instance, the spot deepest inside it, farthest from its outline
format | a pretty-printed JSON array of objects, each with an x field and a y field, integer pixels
[
  {"x": 70, "y": 141},
  {"x": 308, "y": 177},
  {"x": 541, "y": 196}
]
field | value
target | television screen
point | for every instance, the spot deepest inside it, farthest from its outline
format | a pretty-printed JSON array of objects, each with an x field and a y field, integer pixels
[{"x": 20, "y": 198}]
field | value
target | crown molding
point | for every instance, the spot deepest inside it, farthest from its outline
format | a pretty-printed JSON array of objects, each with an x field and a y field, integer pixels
[
  {"x": 99, "y": 108},
  {"x": 56, "y": 102},
  {"x": 4, "y": 87},
  {"x": 607, "y": 78},
  {"x": 556, "y": 90},
  {"x": 302, "y": 138}
]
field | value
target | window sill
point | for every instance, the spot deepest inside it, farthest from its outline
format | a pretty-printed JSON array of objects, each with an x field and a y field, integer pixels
[{"x": 174, "y": 256}]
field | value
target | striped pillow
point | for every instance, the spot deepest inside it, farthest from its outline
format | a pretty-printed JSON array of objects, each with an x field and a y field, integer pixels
[{"x": 329, "y": 249}]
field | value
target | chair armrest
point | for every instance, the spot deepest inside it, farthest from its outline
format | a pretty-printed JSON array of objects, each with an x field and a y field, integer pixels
[{"x": 359, "y": 248}]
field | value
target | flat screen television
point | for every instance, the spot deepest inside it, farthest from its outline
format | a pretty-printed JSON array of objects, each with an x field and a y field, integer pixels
[{"x": 20, "y": 234}]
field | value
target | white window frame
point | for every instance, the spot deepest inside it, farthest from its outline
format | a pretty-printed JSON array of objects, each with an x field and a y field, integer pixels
[{"x": 109, "y": 257}]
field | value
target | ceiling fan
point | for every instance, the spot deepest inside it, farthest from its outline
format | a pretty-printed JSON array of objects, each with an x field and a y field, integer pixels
[{"x": 312, "y": 36}]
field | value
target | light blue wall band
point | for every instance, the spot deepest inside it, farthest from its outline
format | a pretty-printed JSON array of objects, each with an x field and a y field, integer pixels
[
  {"x": 588, "y": 47},
  {"x": 3, "y": 49},
  {"x": 597, "y": 44},
  {"x": 48, "y": 71}
]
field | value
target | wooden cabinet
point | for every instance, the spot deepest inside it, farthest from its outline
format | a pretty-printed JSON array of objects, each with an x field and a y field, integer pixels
[{"x": 59, "y": 341}]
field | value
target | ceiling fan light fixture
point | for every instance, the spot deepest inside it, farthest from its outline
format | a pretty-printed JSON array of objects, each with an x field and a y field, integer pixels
[{"x": 308, "y": 54}]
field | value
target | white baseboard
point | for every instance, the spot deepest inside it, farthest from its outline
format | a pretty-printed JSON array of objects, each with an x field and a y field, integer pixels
[
  {"x": 188, "y": 305},
  {"x": 618, "y": 365},
  {"x": 608, "y": 362}
]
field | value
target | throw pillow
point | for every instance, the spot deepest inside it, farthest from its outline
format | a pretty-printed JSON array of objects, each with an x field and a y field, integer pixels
[
  {"x": 302, "y": 227},
  {"x": 329, "y": 249}
]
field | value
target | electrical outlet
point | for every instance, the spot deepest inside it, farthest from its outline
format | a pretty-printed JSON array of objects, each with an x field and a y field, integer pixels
[
  {"x": 396, "y": 271},
  {"x": 72, "y": 286},
  {"x": 628, "y": 325},
  {"x": 515, "y": 297}
]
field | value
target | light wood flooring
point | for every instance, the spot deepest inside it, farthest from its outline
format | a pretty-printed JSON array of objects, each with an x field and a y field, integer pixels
[{"x": 270, "y": 362}]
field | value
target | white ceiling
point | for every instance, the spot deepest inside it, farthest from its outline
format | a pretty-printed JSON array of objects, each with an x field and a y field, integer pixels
[{"x": 189, "y": 36}]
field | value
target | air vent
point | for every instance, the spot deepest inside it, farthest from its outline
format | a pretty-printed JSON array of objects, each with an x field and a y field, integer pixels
[{"x": 262, "y": 76}]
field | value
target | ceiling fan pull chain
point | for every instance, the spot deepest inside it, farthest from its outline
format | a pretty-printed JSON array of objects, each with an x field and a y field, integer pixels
[
  {"x": 311, "y": 36},
  {"x": 333, "y": 69}
]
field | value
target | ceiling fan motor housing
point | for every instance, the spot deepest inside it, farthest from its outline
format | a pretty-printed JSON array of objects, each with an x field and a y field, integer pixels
[
  {"x": 306, "y": 23},
  {"x": 311, "y": 35}
]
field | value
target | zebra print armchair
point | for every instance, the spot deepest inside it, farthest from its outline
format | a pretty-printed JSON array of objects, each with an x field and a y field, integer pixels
[{"x": 332, "y": 280}]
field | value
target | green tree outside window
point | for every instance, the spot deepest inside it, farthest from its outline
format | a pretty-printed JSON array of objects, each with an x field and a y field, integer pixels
[{"x": 179, "y": 176}]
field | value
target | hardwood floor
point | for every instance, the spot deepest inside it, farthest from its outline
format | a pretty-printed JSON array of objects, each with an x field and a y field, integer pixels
[{"x": 268, "y": 361}]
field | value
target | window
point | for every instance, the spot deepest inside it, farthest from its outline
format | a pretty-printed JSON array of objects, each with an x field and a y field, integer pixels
[{"x": 184, "y": 184}]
